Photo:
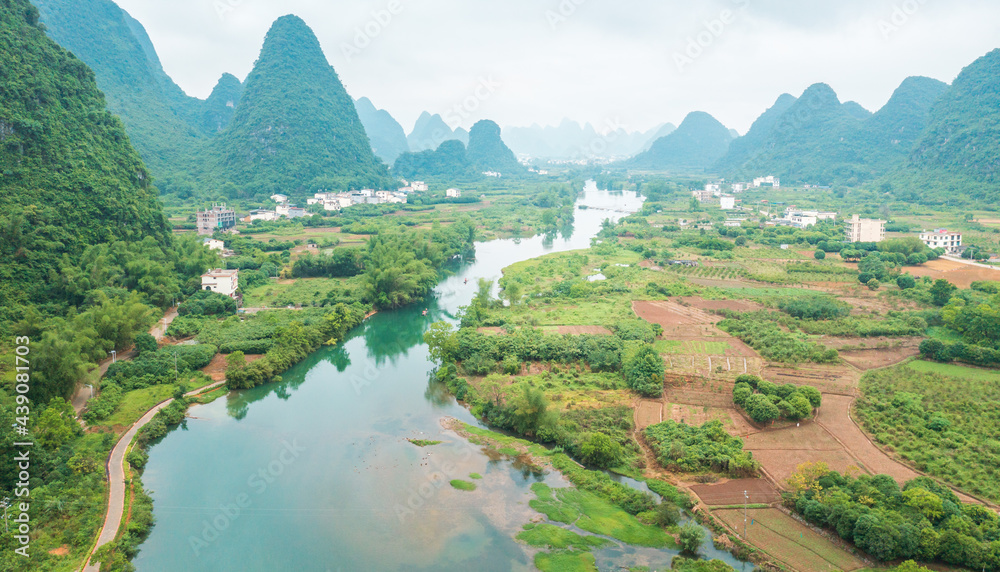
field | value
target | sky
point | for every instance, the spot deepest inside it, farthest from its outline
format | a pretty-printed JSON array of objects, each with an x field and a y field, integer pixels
[{"x": 614, "y": 63}]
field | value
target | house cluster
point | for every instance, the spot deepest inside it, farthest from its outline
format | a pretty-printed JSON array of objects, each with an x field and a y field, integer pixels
[
  {"x": 951, "y": 242},
  {"x": 338, "y": 201},
  {"x": 857, "y": 229},
  {"x": 713, "y": 191},
  {"x": 803, "y": 219},
  {"x": 770, "y": 181}
]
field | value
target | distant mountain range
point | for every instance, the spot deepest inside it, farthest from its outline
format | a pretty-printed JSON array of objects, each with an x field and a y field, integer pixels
[
  {"x": 385, "y": 133},
  {"x": 486, "y": 153},
  {"x": 570, "y": 140}
]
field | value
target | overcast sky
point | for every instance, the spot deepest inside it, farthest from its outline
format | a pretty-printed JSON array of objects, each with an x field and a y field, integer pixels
[{"x": 634, "y": 63}]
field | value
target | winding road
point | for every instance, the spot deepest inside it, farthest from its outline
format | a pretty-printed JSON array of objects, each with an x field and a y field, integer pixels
[{"x": 116, "y": 476}]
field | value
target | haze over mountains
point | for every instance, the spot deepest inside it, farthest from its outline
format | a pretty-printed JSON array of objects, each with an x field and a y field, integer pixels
[{"x": 251, "y": 138}]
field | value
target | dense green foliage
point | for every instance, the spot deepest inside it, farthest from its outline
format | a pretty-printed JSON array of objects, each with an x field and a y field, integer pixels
[
  {"x": 696, "y": 449},
  {"x": 68, "y": 176},
  {"x": 787, "y": 401},
  {"x": 947, "y": 423},
  {"x": 295, "y": 127},
  {"x": 487, "y": 151},
  {"x": 922, "y": 520},
  {"x": 760, "y": 331}
]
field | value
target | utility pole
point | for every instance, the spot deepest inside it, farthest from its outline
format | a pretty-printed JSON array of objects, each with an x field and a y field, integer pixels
[{"x": 746, "y": 497}]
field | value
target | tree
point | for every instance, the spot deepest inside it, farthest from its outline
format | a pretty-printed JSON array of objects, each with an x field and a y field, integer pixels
[
  {"x": 601, "y": 451},
  {"x": 812, "y": 394},
  {"x": 56, "y": 425},
  {"x": 942, "y": 291},
  {"x": 441, "y": 342},
  {"x": 741, "y": 241},
  {"x": 873, "y": 265},
  {"x": 145, "y": 342},
  {"x": 819, "y": 255},
  {"x": 691, "y": 538},
  {"x": 874, "y": 284},
  {"x": 760, "y": 409},
  {"x": 906, "y": 282},
  {"x": 644, "y": 372}
]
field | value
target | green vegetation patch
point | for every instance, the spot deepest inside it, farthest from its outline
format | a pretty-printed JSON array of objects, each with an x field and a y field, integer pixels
[
  {"x": 475, "y": 476},
  {"x": 552, "y": 536},
  {"x": 687, "y": 448},
  {"x": 943, "y": 418},
  {"x": 566, "y": 561},
  {"x": 424, "y": 442},
  {"x": 592, "y": 513},
  {"x": 463, "y": 485}
]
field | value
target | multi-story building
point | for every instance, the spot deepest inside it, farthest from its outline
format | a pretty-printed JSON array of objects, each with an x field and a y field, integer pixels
[
  {"x": 703, "y": 196},
  {"x": 859, "y": 229},
  {"x": 951, "y": 242},
  {"x": 769, "y": 181},
  {"x": 453, "y": 193},
  {"x": 727, "y": 202},
  {"x": 217, "y": 218},
  {"x": 224, "y": 282}
]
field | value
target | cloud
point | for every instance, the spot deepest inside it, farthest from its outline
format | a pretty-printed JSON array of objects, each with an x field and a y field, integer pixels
[{"x": 590, "y": 60}]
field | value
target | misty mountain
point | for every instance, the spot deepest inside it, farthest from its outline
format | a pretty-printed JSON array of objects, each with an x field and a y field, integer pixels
[
  {"x": 386, "y": 134},
  {"x": 431, "y": 130},
  {"x": 696, "y": 145},
  {"x": 570, "y": 140}
]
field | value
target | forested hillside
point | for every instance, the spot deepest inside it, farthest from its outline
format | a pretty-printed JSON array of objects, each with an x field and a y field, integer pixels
[
  {"x": 70, "y": 177},
  {"x": 165, "y": 125},
  {"x": 295, "y": 127},
  {"x": 487, "y": 151},
  {"x": 960, "y": 149}
]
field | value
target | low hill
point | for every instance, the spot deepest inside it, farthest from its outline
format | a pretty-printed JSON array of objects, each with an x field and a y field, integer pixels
[{"x": 695, "y": 146}]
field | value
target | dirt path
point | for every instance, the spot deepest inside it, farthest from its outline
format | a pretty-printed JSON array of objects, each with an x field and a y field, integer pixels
[
  {"x": 116, "y": 476},
  {"x": 84, "y": 393}
]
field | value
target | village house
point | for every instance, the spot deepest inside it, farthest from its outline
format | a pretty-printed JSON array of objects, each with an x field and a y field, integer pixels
[
  {"x": 225, "y": 282},
  {"x": 857, "y": 229},
  {"x": 951, "y": 242},
  {"x": 453, "y": 193},
  {"x": 279, "y": 198}
]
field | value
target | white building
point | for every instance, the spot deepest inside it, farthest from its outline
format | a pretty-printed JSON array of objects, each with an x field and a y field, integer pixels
[
  {"x": 279, "y": 198},
  {"x": 224, "y": 282},
  {"x": 419, "y": 186},
  {"x": 713, "y": 188},
  {"x": 857, "y": 229},
  {"x": 290, "y": 211},
  {"x": 331, "y": 205},
  {"x": 739, "y": 187},
  {"x": 453, "y": 193},
  {"x": 769, "y": 181},
  {"x": 951, "y": 242},
  {"x": 728, "y": 202},
  {"x": 261, "y": 214},
  {"x": 214, "y": 244}
]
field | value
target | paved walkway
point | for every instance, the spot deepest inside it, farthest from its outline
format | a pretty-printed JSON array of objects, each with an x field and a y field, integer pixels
[{"x": 116, "y": 476}]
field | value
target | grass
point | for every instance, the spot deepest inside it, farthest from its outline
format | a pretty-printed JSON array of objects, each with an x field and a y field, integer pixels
[
  {"x": 551, "y": 536},
  {"x": 594, "y": 514},
  {"x": 984, "y": 375},
  {"x": 424, "y": 442},
  {"x": 305, "y": 291},
  {"x": 463, "y": 485},
  {"x": 136, "y": 403},
  {"x": 475, "y": 476},
  {"x": 566, "y": 561},
  {"x": 212, "y": 395}
]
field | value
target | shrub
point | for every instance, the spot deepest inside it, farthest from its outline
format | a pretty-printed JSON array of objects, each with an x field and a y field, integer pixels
[
  {"x": 760, "y": 409},
  {"x": 906, "y": 282},
  {"x": 144, "y": 342},
  {"x": 644, "y": 372},
  {"x": 601, "y": 451},
  {"x": 819, "y": 255},
  {"x": 691, "y": 538}
]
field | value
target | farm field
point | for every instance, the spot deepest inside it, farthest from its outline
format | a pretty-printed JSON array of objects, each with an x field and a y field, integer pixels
[
  {"x": 732, "y": 492},
  {"x": 791, "y": 541}
]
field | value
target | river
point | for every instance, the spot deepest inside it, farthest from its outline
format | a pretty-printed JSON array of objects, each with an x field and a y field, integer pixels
[{"x": 315, "y": 473}]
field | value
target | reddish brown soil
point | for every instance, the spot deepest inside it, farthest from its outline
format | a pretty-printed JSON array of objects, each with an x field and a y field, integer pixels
[
  {"x": 648, "y": 412},
  {"x": 61, "y": 551},
  {"x": 670, "y": 314},
  {"x": 826, "y": 378},
  {"x": 650, "y": 265},
  {"x": 734, "y": 305},
  {"x": 879, "y": 357},
  {"x": 780, "y": 452},
  {"x": 961, "y": 275},
  {"x": 216, "y": 369},
  {"x": 731, "y": 493}
]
